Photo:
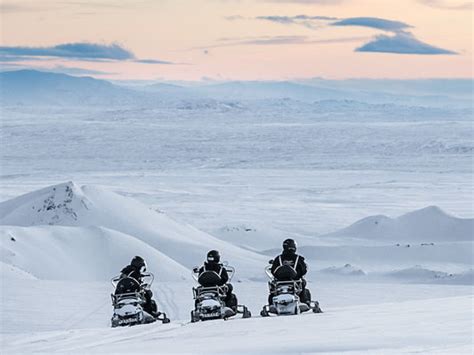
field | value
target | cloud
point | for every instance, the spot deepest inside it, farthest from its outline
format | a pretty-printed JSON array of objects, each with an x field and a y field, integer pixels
[
  {"x": 14, "y": 58},
  {"x": 82, "y": 50},
  {"x": 319, "y": 21},
  {"x": 373, "y": 22},
  {"x": 401, "y": 43},
  {"x": 303, "y": 20},
  {"x": 69, "y": 5},
  {"x": 309, "y": 2},
  {"x": 75, "y": 51},
  {"x": 152, "y": 61},
  {"x": 270, "y": 40},
  {"x": 277, "y": 40},
  {"x": 9, "y": 7},
  {"x": 448, "y": 5},
  {"x": 235, "y": 18}
]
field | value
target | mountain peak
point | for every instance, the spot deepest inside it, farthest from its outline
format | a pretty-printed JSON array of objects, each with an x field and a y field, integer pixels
[{"x": 57, "y": 204}]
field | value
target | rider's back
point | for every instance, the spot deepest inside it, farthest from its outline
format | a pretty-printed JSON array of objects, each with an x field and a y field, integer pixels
[
  {"x": 284, "y": 262},
  {"x": 213, "y": 274}
]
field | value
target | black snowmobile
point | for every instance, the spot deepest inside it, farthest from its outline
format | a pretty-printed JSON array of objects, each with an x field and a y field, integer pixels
[
  {"x": 129, "y": 300},
  {"x": 284, "y": 294},
  {"x": 209, "y": 300}
]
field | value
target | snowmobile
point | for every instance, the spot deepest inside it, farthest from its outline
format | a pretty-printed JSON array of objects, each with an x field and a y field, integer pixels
[
  {"x": 209, "y": 300},
  {"x": 129, "y": 300},
  {"x": 285, "y": 299}
]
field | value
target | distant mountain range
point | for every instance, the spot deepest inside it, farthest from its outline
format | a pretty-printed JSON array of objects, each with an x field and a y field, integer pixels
[
  {"x": 24, "y": 87},
  {"x": 32, "y": 87}
]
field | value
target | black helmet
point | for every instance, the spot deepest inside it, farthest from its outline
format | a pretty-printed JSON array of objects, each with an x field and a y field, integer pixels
[
  {"x": 289, "y": 245},
  {"x": 213, "y": 256},
  {"x": 139, "y": 263}
]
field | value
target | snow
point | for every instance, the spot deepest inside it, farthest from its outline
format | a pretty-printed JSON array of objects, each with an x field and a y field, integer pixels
[
  {"x": 70, "y": 205},
  {"x": 418, "y": 273},
  {"x": 372, "y": 178},
  {"x": 80, "y": 253},
  {"x": 347, "y": 269},
  {"x": 56, "y": 243},
  {"x": 429, "y": 224},
  {"x": 444, "y": 321},
  {"x": 10, "y": 272}
]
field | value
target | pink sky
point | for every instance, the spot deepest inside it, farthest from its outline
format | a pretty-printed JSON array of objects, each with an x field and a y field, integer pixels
[{"x": 232, "y": 39}]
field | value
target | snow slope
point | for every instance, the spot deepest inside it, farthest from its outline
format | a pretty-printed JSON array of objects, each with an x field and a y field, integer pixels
[
  {"x": 80, "y": 253},
  {"x": 429, "y": 224},
  {"x": 10, "y": 272},
  {"x": 70, "y": 205}
]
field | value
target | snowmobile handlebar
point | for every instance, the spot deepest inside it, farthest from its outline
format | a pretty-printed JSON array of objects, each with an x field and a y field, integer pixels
[
  {"x": 268, "y": 271},
  {"x": 230, "y": 271}
]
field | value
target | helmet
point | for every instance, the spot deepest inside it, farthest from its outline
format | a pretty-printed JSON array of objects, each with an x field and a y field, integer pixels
[
  {"x": 289, "y": 245},
  {"x": 213, "y": 256},
  {"x": 139, "y": 263}
]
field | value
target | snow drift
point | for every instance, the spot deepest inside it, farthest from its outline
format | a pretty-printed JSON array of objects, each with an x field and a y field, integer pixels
[{"x": 346, "y": 270}]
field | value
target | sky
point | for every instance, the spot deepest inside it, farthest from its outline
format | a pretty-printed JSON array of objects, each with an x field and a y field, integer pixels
[{"x": 239, "y": 39}]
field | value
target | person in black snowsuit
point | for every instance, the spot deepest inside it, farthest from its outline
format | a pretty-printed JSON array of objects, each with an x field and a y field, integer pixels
[
  {"x": 297, "y": 263},
  {"x": 212, "y": 263},
  {"x": 135, "y": 270}
]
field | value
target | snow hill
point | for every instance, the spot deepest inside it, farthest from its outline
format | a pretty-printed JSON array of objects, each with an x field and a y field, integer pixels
[
  {"x": 430, "y": 224},
  {"x": 80, "y": 253},
  {"x": 89, "y": 228}
]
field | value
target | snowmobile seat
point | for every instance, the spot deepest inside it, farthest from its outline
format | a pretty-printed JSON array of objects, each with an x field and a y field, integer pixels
[
  {"x": 209, "y": 279},
  {"x": 127, "y": 285},
  {"x": 285, "y": 273}
]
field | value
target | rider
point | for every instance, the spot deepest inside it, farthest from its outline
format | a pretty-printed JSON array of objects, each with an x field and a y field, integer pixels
[
  {"x": 135, "y": 270},
  {"x": 212, "y": 263},
  {"x": 296, "y": 262}
]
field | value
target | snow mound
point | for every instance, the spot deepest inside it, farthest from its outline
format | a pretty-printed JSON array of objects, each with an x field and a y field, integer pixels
[
  {"x": 80, "y": 253},
  {"x": 418, "y": 273},
  {"x": 428, "y": 224},
  {"x": 465, "y": 278},
  {"x": 346, "y": 270},
  {"x": 70, "y": 205}
]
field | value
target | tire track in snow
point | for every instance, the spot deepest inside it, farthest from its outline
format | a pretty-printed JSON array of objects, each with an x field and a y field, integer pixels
[{"x": 165, "y": 300}]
